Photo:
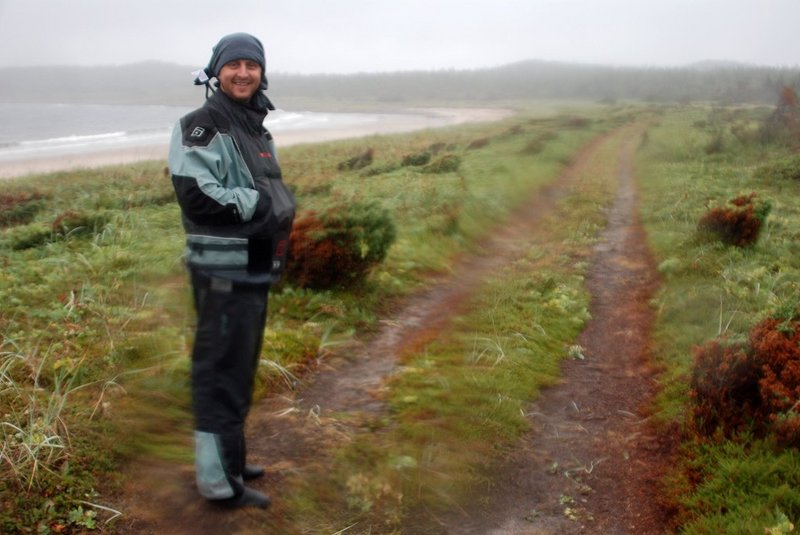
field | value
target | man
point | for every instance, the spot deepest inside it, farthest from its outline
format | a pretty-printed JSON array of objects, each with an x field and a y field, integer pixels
[{"x": 237, "y": 214}]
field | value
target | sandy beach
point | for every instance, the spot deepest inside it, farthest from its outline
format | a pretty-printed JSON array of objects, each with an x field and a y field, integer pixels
[{"x": 411, "y": 120}]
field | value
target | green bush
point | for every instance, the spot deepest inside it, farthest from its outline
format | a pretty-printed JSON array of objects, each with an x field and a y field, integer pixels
[
  {"x": 70, "y": 223},
  {"x": 416, "y": 159},
  {"x": 76, "y": 222},
  {"x": 339, "y": 246},
  {"x": 18, "y": 209},
  {"x": 449, "y": 163},
  {"x": 359, "y": 161},
  {"x": 30, "y": 236}
]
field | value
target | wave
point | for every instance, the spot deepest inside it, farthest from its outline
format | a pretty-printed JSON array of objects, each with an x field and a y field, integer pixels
[
  {"x": 78, "y": 144},
  {"x": 64, "y": 140}
]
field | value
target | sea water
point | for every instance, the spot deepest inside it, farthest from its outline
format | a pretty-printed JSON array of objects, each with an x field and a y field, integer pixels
[{"x": 31, "y": 130}]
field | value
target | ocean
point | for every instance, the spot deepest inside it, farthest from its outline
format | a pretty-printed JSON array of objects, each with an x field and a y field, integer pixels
[{"x": 30, "y": 130}]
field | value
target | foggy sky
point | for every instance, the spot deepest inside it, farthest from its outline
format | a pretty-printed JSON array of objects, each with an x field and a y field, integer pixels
[{"x": 349, "y": 36}]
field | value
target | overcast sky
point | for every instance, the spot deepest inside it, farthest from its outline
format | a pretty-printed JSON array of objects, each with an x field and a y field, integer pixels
[{"x": 348, "y": 36}]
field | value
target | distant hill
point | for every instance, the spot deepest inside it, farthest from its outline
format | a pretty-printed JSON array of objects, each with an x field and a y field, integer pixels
[{"x": 165, "y": 83}]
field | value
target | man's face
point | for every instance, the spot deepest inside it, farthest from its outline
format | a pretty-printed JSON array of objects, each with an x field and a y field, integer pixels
[{"x": 240, "y": 78}]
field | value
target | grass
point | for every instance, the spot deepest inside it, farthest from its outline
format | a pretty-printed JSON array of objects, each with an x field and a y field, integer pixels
[
  {"x": 746, "y": 485},
  {"x": 96, "y": 319},
  {"x": 457, "y": 402}
]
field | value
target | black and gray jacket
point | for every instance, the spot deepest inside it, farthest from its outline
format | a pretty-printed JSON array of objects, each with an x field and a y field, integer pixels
[{"x": 237, "y": 212}]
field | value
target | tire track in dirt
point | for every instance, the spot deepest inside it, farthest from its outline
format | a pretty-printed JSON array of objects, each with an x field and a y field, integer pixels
[
  {"x": 597, "y": 405},
  {"x": 591, "y": 463}
]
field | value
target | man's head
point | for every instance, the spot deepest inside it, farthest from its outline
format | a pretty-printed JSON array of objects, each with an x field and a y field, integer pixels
[{"x": 238, "y": 64}]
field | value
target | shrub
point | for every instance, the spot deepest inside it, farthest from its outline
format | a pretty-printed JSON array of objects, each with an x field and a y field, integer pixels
[
  {"x": 724, "y": 387},
  {"x": 745, "y": 133},
  {"x": 750, "y": 385},
  {"x": 358, "y": 161},
  {"x": 19, "y": 208},
  {"x": 338, "y": 247},
  {"x": 783, "y": 169},
  {"x": 576, "y": 122},
  {"x": 418, "y": 158},
  {"x": 783, "y": 126},
  {"x": 776, "y": 344},
  {"x": 533, "y": 147},
  {"x": 478, "y": 143},
  {"x": 73, "y": 222},
  {"x": 30, "y": 236},
  {"x": 380, "y": 169},
  {"x": 449, "y": 163},
  {"x": 717, "y": 143},
  {"x": 738, "y": 224},
  {"x": 436, "y": 148},
  {"x": 70, "y": 223}
]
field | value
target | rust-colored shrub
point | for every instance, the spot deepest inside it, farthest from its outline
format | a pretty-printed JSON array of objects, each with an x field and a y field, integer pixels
[
  {"x": 776, "y": 345},
  {"x": 724, "y": 387},
  {"x": 738, "y": 224},
  {"x": 750, "y": 385},
  {"x": 338, "y": 247}
]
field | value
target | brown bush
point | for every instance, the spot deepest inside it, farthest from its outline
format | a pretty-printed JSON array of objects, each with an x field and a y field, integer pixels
[
  {"x": 739, "y": 224},
  {"x": 750, "y": 385},
  {"x": 776, "y": 345},
  {"x": 724, "y": 387}
]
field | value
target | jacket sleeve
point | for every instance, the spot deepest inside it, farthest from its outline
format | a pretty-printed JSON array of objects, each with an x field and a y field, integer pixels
[{"x": 199, "y": 174}]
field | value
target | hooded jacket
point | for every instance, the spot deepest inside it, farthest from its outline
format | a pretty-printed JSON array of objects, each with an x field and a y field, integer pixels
[{"x": 236, "y": 210}]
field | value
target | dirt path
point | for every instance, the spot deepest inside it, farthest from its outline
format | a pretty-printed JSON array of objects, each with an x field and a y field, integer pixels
[
  {"x": 589, "y": 433},
  {"x": 591, "y": 464}
]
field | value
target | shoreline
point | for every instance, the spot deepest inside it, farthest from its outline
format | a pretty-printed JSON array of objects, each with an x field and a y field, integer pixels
[{"x": 414, "y": 119}]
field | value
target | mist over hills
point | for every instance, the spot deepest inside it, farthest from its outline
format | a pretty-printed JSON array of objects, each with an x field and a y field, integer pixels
[{"x": 171, "y": 84}]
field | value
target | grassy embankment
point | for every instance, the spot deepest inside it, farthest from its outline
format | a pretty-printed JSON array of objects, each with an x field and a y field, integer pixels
[
  {"x": 96, "y": 318},
  {"x": 692, "y": 160}
]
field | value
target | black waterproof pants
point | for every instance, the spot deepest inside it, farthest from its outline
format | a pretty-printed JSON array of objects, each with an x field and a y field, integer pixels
[{"x": 230, "y": 326}]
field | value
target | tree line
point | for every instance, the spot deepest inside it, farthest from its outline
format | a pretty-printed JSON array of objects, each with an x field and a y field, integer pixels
[{"x": 164, "y": 83}]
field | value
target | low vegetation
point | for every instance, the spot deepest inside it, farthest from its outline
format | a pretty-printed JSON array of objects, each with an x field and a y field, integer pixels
[
  {"x": 96, "y": 317},
  {"x": 727, "y": 315}
]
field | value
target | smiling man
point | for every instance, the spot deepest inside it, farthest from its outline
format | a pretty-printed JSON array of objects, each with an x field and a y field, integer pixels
[{"x": 237, "y": 214}]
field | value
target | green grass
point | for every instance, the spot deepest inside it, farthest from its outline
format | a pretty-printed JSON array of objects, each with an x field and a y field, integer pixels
[{"x": 711, "y": 290}]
